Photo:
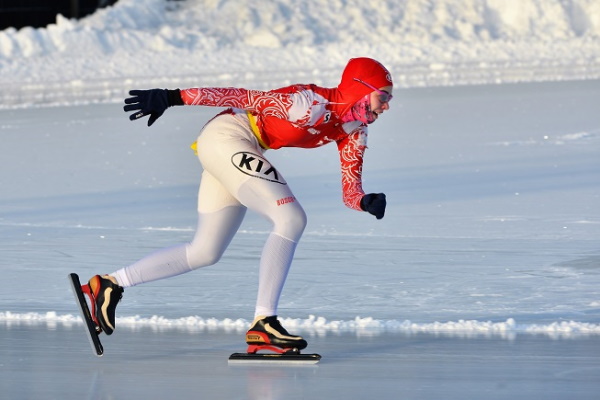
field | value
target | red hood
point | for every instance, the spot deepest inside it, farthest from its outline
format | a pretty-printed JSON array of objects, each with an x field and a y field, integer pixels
[{"x": 365, "y": 69}]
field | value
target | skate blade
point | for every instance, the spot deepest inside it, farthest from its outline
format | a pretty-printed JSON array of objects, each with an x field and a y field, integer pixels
[{"x": 269, "y": 358}]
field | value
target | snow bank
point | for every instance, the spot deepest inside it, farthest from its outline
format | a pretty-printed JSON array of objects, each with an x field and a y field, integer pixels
[
  {"x": 268, "y": 43},
  {"x": 321, "y": 326}
]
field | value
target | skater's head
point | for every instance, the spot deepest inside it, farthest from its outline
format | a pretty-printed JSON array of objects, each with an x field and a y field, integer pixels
[{"x": 366, "y": 87}]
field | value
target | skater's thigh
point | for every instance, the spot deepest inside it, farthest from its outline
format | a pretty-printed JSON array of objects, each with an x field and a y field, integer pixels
[
  {"x": 213, "y": 196},
  {"x": 271, "y": 198}
]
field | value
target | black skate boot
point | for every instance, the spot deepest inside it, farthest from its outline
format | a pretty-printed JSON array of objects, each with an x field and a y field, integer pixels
[
  {"x": 105, "y": 295},
  {"x": 266, "y": 333}
]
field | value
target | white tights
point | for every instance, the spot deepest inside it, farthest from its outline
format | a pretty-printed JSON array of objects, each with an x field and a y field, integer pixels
[{"x": 236, "y": 177}]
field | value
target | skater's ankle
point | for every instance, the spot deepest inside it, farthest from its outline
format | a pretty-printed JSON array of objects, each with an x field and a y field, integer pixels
[
  {"x": 261, "y": 317},
  {"x": 111, "y": 278}
]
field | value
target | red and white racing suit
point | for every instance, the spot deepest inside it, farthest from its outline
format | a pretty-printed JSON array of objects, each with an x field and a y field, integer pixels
[{"x": 237, "y": 176}]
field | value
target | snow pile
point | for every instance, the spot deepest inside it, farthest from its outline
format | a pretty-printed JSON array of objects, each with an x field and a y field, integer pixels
[
  {"x": 321, "y": 326},
  {"x": 266, "y": 43}
]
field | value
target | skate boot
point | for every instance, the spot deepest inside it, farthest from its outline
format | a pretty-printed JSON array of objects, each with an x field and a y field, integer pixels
[
  {"x": 266, "y": 333},
  {"x": 105, "y": 295}
]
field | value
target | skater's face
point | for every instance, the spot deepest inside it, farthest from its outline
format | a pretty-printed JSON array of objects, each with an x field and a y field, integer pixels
[{"x": 380, "y": 100}]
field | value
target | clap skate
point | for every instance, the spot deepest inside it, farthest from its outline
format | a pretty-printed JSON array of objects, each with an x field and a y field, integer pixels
[
  {"x": 103, "y": 296},
  {"x": 267, "y": 334}
]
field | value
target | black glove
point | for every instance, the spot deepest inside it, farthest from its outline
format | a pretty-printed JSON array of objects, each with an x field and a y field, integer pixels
[
  {"x": 151, "y": 102},
  {"x": 374, "y": 203}
]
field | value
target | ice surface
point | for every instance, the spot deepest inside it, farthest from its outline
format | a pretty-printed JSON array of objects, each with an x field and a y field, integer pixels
[
  {"x": 481, "y": 281},
  {"x": 147, "y": 364}
]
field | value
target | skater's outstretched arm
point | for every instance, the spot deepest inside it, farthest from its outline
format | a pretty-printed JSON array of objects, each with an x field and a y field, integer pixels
[{"x": 302, "y": 108}]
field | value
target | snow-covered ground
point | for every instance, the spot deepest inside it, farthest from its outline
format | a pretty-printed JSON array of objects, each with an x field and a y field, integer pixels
[
  {"x": 269, "y": 43},
  {"x": 488, "y": 250}
]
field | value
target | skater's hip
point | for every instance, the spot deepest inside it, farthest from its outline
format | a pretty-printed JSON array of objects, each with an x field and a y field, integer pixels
[{"x": 233, "y": 127}]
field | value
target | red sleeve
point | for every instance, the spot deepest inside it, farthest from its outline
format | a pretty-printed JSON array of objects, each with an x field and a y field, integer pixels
[
  {"x": 352, "y": 149},
  {"x": 267, "y": 103}
]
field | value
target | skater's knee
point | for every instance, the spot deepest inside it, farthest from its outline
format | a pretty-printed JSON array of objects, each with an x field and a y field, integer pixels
[
  {"x": 199, "y": 257},
  {"x": 290, "y": 224}
]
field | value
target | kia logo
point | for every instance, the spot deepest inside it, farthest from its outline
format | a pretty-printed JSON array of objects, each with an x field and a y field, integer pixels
[{"x": 257, "y": 167}]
